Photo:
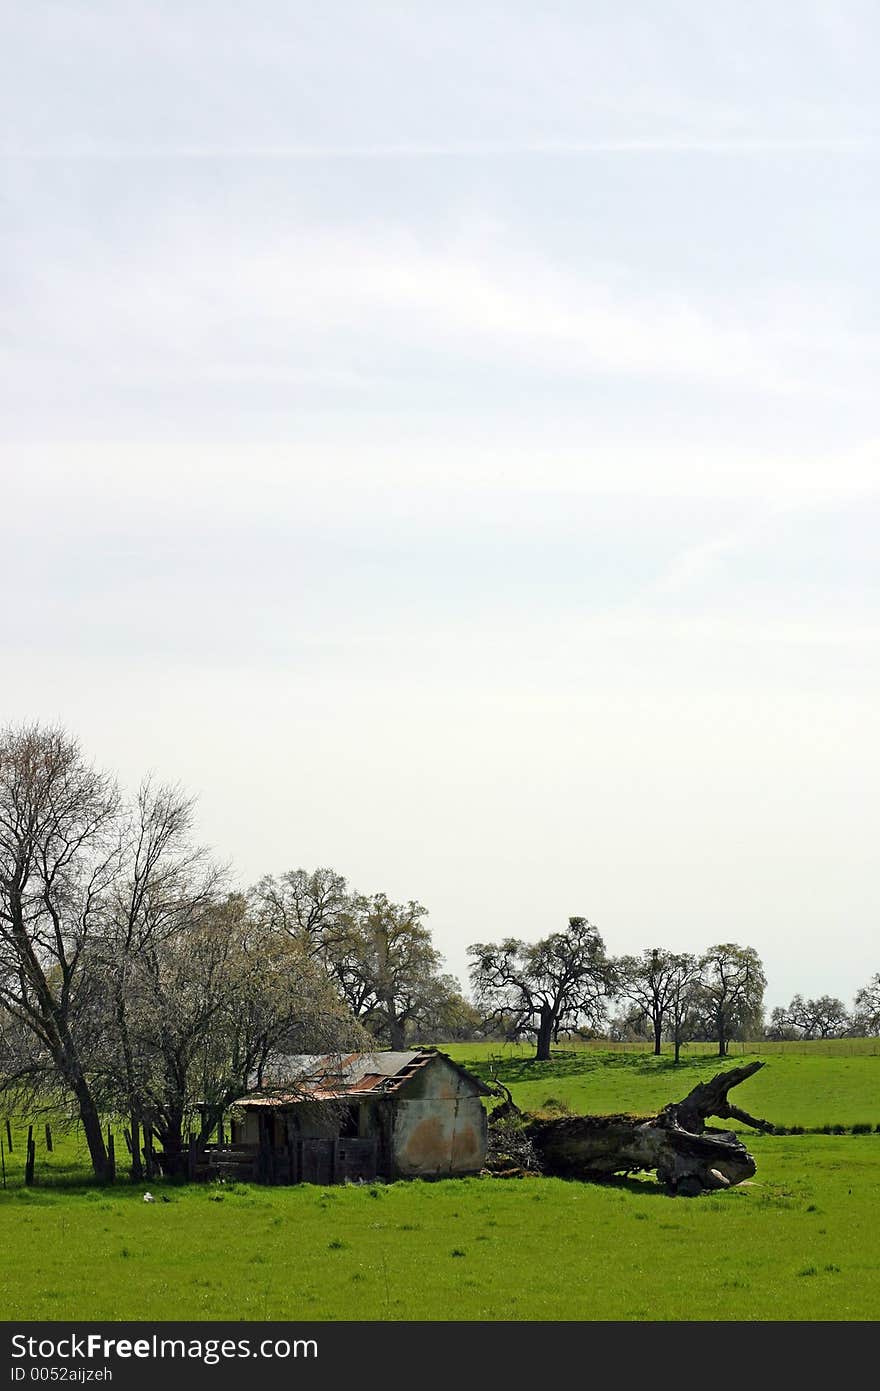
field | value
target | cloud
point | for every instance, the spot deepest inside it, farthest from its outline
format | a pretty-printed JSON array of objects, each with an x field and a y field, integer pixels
[
  {"x": 391, "y": 77},
  {"x": 694, "y": 563},
  {"x": 194, "y": 301},
  {"x": 467, "y": 150}
]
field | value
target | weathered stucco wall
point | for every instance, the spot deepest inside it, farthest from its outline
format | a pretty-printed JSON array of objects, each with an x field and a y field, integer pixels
[{"x": 440, "y": 1126}]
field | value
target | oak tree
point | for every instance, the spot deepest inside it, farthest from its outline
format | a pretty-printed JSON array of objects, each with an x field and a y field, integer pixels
[{"x": 542, "y": 987}]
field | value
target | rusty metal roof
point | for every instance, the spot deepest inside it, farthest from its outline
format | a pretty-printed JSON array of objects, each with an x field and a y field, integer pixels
[{"x": 316, "y": 1077}]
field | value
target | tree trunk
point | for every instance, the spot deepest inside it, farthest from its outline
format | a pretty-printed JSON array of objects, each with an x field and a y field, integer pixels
[
  {"x": 545, "y": 1034},
  {"x": 173, "y": 1157},
  {"x": 128, "y": 1063},
  {"x": 722, "y": 1036},
  {"x": 55, "y": 1031},
  {"x": 67, "y": 1062},
  {"x": 396, "y": 1033},
  {"x": 169, "y": 1128},
  {"x": 676, "y": 1143},
  {"x": 137, "y": 1168},
  {"x": 658, "y": 1036},
  {"x": 91, "y": 1124}
]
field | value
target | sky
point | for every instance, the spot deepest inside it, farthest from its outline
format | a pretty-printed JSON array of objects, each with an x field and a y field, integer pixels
[{"x": 444, "y": 438}]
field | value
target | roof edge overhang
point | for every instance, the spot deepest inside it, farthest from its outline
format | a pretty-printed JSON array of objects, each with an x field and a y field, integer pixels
[{"x": 381, "y": 1085}]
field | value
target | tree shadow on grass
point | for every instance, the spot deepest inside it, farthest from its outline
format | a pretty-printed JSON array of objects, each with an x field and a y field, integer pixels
[
  {"x": 644, "y": 1186},
  {"x": 647, "y": 1186},
  {"x": 75, "y": 1179}
]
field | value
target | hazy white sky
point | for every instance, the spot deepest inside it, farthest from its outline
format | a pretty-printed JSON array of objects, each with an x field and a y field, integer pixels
[{"x": 445, "y": 438}]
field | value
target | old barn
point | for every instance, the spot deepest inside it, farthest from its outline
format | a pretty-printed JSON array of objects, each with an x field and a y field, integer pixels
[{"x": 363, "y": 1116}]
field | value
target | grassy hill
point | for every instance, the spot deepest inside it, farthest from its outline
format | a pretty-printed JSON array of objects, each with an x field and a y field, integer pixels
[{"x": 813, "y": 1087}]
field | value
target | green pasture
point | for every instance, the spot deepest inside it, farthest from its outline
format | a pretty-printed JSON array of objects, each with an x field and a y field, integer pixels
[
  {"x": 815, "y": 1086},
  {"x": 802, "y": 1241}
]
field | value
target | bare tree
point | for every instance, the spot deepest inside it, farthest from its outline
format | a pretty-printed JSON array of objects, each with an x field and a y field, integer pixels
[
  {"x": 825, "y": 1017},
  {"x": 779, "y": 1027},
  {"x": 379, "y": 954},
  {"x": 210, "y": 1005},
  {"x": 543, "y": 986},
  {"x": 446, "y": 1015},
  {"x": 866, "y": 1009},
  {"x": 314, "y": 907},
  {"x": 648, "y": 981},
  {"x": 385, "y": 966},
  {"x": 628, "y": 1025},
  {"x": 165, "y": 886},
  {"x": 60, "y": 849},
  {"x": 683, "y": 1006},
  {"x": 732, "y": 990}
]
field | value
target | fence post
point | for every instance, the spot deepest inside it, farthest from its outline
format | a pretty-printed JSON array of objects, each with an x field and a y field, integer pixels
[
  {"x": 8, "y": 1135},
  {"x": 134, "y": 1149},
  {"x": 291, "y": 1156},
  {"x": 48, "y": 1137},
  {"x": 3, "y": 1161},
  {"x": 148, "y": 1150},
  {"x": 31, "y": 1157},
  {"x": 264, "y": 1172},
  {"x": 111, "y": 1156}
]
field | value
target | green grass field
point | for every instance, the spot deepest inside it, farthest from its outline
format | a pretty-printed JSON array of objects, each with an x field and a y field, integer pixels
[
  {"x": 800, "y": 1242},
  {"x": 822, "y": 1086}
]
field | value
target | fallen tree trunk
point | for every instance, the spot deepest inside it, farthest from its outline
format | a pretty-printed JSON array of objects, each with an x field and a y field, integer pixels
[{"x": 687, "y": 1156}]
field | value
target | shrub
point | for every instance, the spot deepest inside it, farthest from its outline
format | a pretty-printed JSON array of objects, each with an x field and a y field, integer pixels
[{"x": 552, "y": 1103}]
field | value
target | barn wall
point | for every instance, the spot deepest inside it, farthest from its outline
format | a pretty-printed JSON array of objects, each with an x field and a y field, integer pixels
[
  {"x": 314, "y": 1120},
  {"x": 247, "y": 1132},
  {"x": 440, "y": 1125},
  {"x": 304, "y": 1122}
]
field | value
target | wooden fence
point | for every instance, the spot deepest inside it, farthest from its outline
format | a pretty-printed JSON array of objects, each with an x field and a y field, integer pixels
[{"x": 303, "y": 1161}]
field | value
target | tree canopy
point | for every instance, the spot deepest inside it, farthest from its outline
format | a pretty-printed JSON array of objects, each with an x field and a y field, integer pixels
[{"x": 558, "y": 982}]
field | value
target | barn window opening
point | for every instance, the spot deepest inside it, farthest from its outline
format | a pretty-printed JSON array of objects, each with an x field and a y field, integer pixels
[{"x": 348, "y": 1125}]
